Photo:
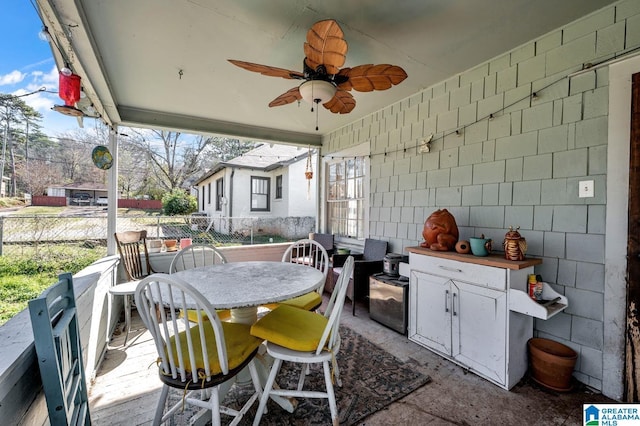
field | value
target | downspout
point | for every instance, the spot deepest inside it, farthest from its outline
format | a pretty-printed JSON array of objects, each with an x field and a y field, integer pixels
[{"x": 231, "y": 200}]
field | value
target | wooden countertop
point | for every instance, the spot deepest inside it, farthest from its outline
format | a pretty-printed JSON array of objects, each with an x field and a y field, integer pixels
[{"x": 495, "y": 259}]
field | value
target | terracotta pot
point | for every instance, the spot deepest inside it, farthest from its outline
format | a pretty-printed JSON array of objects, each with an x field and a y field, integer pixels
[
  {"x": 171, "y": 244},
  {"x": 551, "y": 363}
]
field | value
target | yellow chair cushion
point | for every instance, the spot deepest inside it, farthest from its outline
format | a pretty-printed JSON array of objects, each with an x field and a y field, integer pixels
[
  {"x": 306, "y": 301},
  {"x": 239, "y": 342},
  {"x": 192, "y": 315},
  {"x": 291, "y": 327}
]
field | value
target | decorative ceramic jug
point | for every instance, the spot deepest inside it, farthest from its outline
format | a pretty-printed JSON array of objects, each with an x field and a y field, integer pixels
[{"x": 514, "y": 245}]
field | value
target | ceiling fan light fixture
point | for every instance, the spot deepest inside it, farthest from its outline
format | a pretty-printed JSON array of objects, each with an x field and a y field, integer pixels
[{"x": 317, "y": 91}]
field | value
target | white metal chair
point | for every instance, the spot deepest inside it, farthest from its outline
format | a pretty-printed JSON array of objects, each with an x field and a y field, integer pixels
[
  {"x": 304, "y": 337},
  {"x": 311, "y": 253},
  {"x": 196, "y": 255},
  {"x": 196, "y": 358}
]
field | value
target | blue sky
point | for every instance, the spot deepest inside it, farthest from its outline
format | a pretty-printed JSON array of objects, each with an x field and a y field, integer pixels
[{"x": 26, "y": 64}]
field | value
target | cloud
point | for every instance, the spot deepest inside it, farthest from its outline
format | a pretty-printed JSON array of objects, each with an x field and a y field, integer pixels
[
  {"x": 13, "y": 77},
  {"x": 40, "y": 101},
  {"x": 51, "y": 77},
  {"x": 38, "y": 64},
  {"x": 39, "y": 79}
]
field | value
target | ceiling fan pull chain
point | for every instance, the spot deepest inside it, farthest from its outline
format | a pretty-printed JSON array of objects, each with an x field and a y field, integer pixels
[
  {"x": 312, "y": 99},
  {"x": 316, "y": 114}
]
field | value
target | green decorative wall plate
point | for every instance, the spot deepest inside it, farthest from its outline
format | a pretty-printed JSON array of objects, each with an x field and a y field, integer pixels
[{"x": 101, "y": 157}]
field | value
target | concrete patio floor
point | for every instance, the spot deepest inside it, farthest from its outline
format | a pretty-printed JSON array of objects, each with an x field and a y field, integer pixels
[{"x": 126, "y": 388}]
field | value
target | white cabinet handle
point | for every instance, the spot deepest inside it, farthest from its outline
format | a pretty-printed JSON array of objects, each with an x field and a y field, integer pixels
[
  {"x": 446, "y": 300},
  {"x": 454, "y": 305},
  {"x": 446, "y": 268}
]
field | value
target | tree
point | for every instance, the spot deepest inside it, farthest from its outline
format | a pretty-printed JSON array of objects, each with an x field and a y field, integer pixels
[
  {"x": 135, "y": 175},
  {"x": 40, "y": 176},
  {"x": 176, "y": 159},
  {"x": 17, "y": 117},
  {"x": 225, "y": 149},
  {"x": 74, "y": 155}
]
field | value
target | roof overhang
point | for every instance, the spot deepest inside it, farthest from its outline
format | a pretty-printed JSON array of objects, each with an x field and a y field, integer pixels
[{"x": 164, "y": 65}]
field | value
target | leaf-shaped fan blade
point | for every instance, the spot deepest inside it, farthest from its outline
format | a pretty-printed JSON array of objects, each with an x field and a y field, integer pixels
[
  {"x": 325, "y": 46},
  {"x": 342, "y": 103},
  {"x": 267, "y": 70},
  {"x": 366, "y": 78},
  {"x": 286, "y": 98}
]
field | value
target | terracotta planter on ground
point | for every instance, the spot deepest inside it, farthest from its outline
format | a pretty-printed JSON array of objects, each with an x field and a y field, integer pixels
[{"x": 552, "y": 363}]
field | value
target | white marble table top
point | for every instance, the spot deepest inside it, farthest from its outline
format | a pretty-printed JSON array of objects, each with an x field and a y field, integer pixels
[{"x": 250, "y": 284}]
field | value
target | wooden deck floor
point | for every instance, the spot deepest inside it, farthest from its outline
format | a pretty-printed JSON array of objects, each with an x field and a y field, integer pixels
[{"x": 126, "y": 389}]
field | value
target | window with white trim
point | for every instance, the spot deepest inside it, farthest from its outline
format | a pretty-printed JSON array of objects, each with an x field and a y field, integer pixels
[{"x": 346, "y": 198}]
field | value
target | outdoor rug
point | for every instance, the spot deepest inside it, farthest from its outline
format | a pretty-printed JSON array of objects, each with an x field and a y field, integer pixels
[{"x": 371, "y": 379}]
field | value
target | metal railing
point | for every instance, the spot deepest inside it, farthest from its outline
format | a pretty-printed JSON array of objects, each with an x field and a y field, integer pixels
[{"x": 42, "y": 233}]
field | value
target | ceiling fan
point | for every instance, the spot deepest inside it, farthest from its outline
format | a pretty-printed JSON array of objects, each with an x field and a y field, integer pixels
[{"x": 324, "y": 81}]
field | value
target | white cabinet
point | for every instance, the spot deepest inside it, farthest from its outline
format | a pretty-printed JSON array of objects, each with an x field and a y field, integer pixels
[
  {"x": 479, "y": 317},
  {"x": 459, "y": 308},
  {"x": 430, "y": 311}
]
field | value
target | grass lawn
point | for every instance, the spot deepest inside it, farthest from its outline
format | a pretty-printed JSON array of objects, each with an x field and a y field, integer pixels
[
  {"x": 26, "y": 271},
  {"x": 26, "y": 276},
  {"x": 43, "y": 242},
  {"x": 38, "y": 210},
  {"x": 7, "y": 202},
  {"x": 17, "y": 290}
]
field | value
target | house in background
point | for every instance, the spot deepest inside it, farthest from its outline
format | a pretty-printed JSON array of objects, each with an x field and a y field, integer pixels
[
  {"x": 79, "y": 193},
  {"x": 264, "y": 189}
]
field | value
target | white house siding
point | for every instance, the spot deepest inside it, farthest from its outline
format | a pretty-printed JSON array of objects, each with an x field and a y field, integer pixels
[
  {"x": 280, "y": 207},
  {"x": 242, "y": 193},
  {"x": 521, "y": 167},
  {"x": 294, "y": 202},
  {"x": 295, "y": 189},
  {"x": 210, "y": 205}
]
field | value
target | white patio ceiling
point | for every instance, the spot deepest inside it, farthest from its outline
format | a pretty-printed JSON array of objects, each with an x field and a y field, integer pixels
[{"x": 163, "y": 63}]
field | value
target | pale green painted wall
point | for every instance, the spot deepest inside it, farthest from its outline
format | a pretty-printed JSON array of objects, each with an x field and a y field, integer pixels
[{"x": 521, "y": 167}]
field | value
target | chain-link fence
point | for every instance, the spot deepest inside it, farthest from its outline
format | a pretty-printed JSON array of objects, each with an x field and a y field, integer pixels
[{"x": 26, "y": 234}]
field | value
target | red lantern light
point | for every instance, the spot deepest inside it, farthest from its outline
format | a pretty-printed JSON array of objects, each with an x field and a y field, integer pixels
[{"x": 69, "y": 88}]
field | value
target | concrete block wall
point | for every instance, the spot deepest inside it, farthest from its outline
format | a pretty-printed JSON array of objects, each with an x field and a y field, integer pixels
[{"x": 512, "y": 138}]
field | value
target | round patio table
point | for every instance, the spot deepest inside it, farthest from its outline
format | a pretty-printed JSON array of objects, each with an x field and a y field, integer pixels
[{"x": 243, "y": 286}]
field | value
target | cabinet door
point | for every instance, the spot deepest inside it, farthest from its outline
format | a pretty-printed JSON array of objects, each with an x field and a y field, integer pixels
[
  {"x": 430, "y": 300},
  {"x": 479, "y": 329}
]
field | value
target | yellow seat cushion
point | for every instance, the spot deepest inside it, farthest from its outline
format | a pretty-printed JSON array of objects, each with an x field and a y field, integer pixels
[
  {"x": 192, "y": 315},
  {"x": 291, "y": 327},
  {"x": 306, "y": 301},
  {"x": 239, "y": 342}
]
